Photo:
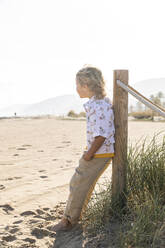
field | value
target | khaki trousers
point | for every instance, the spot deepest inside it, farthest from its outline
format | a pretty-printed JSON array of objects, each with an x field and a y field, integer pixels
[{"x": 82, "y": 184}]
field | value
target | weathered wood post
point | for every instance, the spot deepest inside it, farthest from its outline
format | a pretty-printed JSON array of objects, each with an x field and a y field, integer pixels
[{"x": 120, "y": 104}]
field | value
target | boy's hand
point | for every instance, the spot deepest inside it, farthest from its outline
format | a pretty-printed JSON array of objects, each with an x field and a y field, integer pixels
[
  {"x": 97, "y": 143},
  {"x": 87, "y": 156}
]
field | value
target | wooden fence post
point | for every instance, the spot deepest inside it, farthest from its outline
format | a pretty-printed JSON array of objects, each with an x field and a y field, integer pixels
[{"x": 120, "y": 105}]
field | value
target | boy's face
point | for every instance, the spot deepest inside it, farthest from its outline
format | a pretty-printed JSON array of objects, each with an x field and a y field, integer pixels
[{"x": 83, "y": 90}]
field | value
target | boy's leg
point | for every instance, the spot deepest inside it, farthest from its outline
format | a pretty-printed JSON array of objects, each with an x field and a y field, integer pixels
[
  {"x": 81, "y": 186},
  {"x": 88, "y": 196}
]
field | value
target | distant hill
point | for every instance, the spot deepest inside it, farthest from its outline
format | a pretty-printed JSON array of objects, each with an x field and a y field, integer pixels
[
  {"x": 9, "y": 111},
  {"x": 147, "y": 88},
  {"x": 61, "y": 105},
  {"x": 150, "y": 86}
]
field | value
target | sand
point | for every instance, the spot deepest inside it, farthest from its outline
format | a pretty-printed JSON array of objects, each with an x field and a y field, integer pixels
[{"x": 37, "y": 159}]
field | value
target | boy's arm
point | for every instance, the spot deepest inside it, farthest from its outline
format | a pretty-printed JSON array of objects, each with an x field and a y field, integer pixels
[{"x": 97, "y": 143}]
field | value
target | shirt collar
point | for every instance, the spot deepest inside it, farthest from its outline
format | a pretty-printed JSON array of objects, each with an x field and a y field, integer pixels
[
  {"x": 92, "y": 99},
  {"x": 86, "y": 105}
]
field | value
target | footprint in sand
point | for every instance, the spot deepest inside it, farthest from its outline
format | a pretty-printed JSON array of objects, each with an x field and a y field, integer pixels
[
  {"x": 43, "y": 176},
  {"x": 66, "y": 142},
  {"x": 42, "y": 215},
  {"x": 9, "y": 179},
  {"x": 26, "y": 145},
  {"x": 14, "y": 230},
  {"x": 41, "y": 170},
  {"x": 29, "y": 240},
  {"x": 69, "y": 161},
  {"x": 17, "y": 177},
  {"x": 6, "y": 208},
  {"x": 50, "y": 218},
  {"x": 16, "y": 154},
  {"x": 27, "y": 213},
  {"x": 39, "y": 217},
  {"x": 9, "y": 238},
  {"x": 12, "y": 178},
  {"x": 46, "y": 209},
  {"x": 33, "y": 221},
  {"x": 18, "y": 222},
  {"x": 40, "y": 233},
  {"x": 2, "y": 187},
  {"x": 39, "y": 211}
]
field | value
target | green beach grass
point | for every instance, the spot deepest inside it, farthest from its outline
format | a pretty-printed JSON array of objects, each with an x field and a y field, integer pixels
[{"x": 141, "y": 223}]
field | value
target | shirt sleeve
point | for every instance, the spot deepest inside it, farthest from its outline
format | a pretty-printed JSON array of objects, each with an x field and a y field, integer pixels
[{"x": 103, "y": 124}]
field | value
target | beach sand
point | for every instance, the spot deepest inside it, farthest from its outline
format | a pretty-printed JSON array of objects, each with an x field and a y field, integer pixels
[{"x": 37, "y": 159}]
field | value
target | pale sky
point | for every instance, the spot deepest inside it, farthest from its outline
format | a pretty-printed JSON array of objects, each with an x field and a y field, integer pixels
[{"x": 43, "y": 43}]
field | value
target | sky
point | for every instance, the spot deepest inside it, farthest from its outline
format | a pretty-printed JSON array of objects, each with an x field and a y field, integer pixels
[{"x": 43, "y": 43}]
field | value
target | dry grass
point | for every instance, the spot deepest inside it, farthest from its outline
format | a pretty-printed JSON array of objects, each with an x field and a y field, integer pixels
[{"x": 142, "y": 222}]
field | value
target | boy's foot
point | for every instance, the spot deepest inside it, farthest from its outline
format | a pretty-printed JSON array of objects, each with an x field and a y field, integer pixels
[{"x": 63, "y": 225}]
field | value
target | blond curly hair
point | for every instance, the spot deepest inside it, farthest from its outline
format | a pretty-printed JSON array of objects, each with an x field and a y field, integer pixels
[{"x": 93, "y": 78}]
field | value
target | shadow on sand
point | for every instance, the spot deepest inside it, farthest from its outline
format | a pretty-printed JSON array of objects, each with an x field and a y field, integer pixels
[{"x": 70, "y": 239}]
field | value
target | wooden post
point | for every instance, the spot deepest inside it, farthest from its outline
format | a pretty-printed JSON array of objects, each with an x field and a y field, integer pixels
[{"x": 120, "y": 105}]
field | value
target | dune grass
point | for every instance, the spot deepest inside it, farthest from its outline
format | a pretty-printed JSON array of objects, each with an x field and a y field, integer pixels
[{"x": 141, "y": 223}]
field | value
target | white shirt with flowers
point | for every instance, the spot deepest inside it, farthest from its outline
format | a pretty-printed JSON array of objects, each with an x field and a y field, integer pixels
[{"x": 100, "y": 122}]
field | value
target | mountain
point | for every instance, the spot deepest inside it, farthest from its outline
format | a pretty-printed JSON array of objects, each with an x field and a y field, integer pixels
[
  {"x": 11, "y": 110},
  {"x": 150, "y": 86},
  {"x": 147, "y": 88},
  {"x": 59, "y": 105}
]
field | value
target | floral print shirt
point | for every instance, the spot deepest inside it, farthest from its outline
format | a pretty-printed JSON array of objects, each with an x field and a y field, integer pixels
[{"x": 100, "y": 122}]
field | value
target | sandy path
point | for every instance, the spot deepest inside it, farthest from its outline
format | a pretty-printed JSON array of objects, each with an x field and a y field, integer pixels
[{"x": 37, "y": 160}]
